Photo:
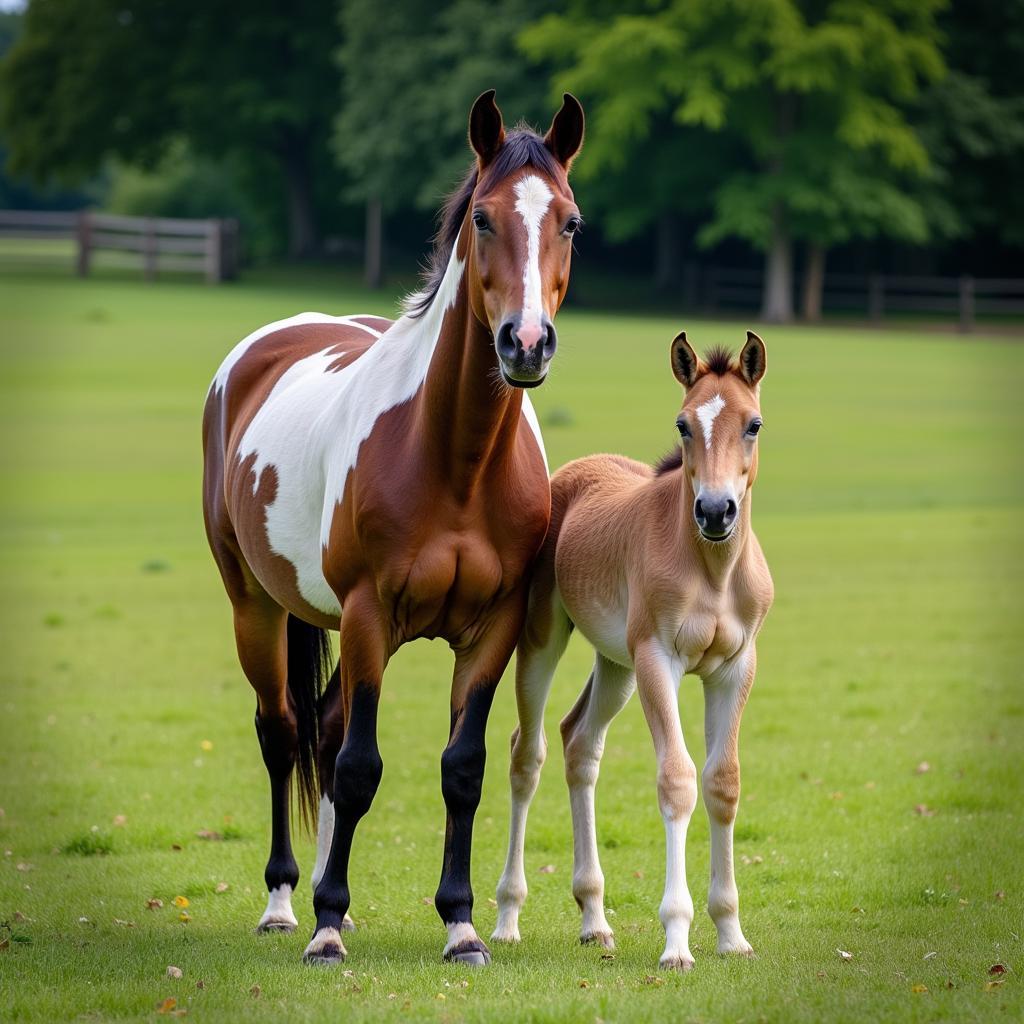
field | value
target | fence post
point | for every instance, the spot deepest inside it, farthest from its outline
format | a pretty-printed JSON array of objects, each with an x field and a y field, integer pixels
[
  {"x": 149, "y": 252},
  {"x": 876, "y": 297},
  {"x": 966, "y": 291},
  {"x": 214, "y": 251},
  {"x": 83, "y": 232}
]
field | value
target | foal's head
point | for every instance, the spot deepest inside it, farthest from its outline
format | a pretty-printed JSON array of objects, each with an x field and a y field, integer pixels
[
  {"x": 719, "y": 424},
  {"x": 512, "y": 222}
]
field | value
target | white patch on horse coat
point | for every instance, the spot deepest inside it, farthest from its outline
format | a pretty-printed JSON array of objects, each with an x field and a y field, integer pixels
[
  {"x": 461, "y": 931},
  {"x": 707, "y": 414},
  {"x": 532, "y": 200},
  {"x": 324, "y": 836},
  {"x": 311, "y": 426},
  {"x": 221, "y": 378},
  {"x": 279, "y": 908},
  {"x": 531, "y": 418}
]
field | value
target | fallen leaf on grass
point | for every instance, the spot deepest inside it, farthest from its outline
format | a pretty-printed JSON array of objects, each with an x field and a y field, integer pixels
[
  {"x": 923, "y": 767},
  {"x": 83, "y": 920},
  {"x": 255, "y": 991},
  {"x": 928, "y": 956},
  {"x": 924, "y": 811},
  {"x": 547, "y": 869},
  {"x": 993, "y": 984},
  {"x": 584, "y": 983},
  {"x": 206, "y": 745},
  {"x": 210, "y": 835},
  {"x": 124, "y": 924},
  {"x": 492, "y": 902},
  {"x": 176, "y": 847},
  {"x": 20, "y": 918},
  {"x": 441, "y": 997},
  {"x": 120, "y": 821},
  {"x": 607, "y": 956},
  {"x": 184, "y": 917},
  {"x": 24, "y": 867},
  {"x": 919, "y": 988},
  {"x": 174, "y": 972},
  {"x": 997, "y": 969},
  {"x": 653, "y": 979},
  {"x": 154, "y": 904},
  {"x": 949, "y": 983},
  {"x": 167, "y": 1005},
  {"x": 200, "y": 984},
  {"x": 1000, "y": 896},
  {"x": 222, "y": 887},
  {"x": 427, "y": 901},
  {"x": 181, "y": 901},
  {"x": 844, "y": 955}
]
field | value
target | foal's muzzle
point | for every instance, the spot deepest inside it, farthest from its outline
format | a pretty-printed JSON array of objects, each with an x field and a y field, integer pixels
[
  {"x": 524, "y": 352},
  {"x": 715, "y": 515}
]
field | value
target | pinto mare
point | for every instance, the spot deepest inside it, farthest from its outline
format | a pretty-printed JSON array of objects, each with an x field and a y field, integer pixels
[
  {"x": 389, "y": 480},
  {"x": 660, "y": 570}
]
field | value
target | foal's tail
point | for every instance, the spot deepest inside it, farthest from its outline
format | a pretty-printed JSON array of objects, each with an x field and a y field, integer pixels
[{"x": 309, "y": 668}]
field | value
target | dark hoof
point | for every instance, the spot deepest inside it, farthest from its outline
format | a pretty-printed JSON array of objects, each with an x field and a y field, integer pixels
[
  {"x": 325, "y": 949},
  {"x": 284, "y": 927},
  {"x": 328, "y": 958},
  {"x": 472, "y": 954}
]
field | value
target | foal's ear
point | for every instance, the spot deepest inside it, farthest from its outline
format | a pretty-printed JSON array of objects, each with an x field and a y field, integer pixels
[
  {"x": 753, "y": 360},
  {"x": 685, "y": 364},
  {"x": 565, "y": 136},
  {"x": 486, "y": 128}
]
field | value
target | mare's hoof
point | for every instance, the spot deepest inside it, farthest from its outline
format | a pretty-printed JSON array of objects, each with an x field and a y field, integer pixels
[
  {"x": 347, "y": 924},
  {"x": 285, "y": 927},
  {"x": 603, "y": 939},
  {"x": 472, "y": 953},
  {"x": 325, "y": 949}
]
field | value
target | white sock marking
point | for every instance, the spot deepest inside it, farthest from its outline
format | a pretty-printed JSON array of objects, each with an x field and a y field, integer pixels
[
  {"x": 532, "y": 200},
  {"x": 279, "y": 907},
  {"x": 459, "y": 932},
  {"x": 707, "y": 414}
]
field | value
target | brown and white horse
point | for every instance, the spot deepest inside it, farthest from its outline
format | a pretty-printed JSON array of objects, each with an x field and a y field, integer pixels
[
  {"x": 660, "y": 570},
  {"x": 389, "y": 479}
]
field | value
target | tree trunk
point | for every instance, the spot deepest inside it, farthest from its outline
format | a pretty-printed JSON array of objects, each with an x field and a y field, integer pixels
[
  {"x": 302, "y": 233},
  {"x": 373, "y": 246},
  {"x": 666, "y": 254},
  {"x": 777, "y": 301},
  {"x": 814, "y": 281}
]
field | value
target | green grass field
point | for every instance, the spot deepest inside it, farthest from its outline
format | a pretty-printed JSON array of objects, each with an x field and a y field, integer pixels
[{"x": 889, "y": 505}]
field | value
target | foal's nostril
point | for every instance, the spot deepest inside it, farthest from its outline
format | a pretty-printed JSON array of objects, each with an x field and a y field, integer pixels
[
  {"x": 698, "y": 511},
  {"x": 730, "y": 511}
]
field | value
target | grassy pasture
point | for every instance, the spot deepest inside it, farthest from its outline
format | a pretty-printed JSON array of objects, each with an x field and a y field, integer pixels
[{"x": 889, "y": 505}]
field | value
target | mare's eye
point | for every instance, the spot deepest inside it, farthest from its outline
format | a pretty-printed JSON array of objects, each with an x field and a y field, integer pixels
[
  {"x": 684, "y": 429},
  {"x": 480, "y": 221},
  {"x": 755, "y": 426},
  {"x": 572, "y": 226}
]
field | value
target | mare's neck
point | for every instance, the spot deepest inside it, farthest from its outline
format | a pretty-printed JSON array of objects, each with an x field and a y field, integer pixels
[{"x": 468, "y": 416}]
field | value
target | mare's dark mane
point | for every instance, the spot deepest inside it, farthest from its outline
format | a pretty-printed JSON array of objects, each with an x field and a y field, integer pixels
[{"x": 523, "y": 147}]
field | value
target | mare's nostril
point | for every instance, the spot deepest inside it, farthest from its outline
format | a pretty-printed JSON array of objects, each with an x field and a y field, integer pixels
[{"x": 506, "y": 341}]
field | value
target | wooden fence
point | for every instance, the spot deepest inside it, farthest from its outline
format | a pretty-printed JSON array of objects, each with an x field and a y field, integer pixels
[
  {"x": 872, "y": 295},
  {"x": 151, "y": 244}
]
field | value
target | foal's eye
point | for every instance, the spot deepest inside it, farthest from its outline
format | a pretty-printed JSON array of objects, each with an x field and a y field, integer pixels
[
  {"x": 480, "y": 221},
  {"x": 684, "y": 429},
  {"x": 755, "y": 426},
  {"x": 572, "y": 226}
]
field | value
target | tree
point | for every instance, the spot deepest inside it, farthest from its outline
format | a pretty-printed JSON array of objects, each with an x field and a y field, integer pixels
[
  {"x": 411, "y": 70},
  {"x": 804, "y": 87},
  {"x": 92, "y": 79}
]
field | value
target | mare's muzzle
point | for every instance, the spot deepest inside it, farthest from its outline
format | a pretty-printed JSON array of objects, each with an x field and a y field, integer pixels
[{"x": 525, "y": 351}]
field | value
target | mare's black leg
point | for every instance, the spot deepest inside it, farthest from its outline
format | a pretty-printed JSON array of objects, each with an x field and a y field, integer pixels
[{"x": 462, "y": 774}]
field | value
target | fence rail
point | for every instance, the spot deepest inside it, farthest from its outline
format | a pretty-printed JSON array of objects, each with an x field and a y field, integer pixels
[
  {"x": 719, "y": 288},
  {"x": 152, "y": 244}
]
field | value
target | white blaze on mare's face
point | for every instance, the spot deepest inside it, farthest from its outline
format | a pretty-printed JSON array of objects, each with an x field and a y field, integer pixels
[
  {"x": 707, "y": 414},
  {"x": 533, "y": 198}
]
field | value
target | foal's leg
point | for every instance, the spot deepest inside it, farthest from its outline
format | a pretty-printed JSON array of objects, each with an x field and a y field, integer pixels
[
  {"x": 657, "y": 678},
  {"x": 332, "y": 731},
  {"x": 260, "y": 635},
  {"x": 543, "y": 642},
  {"x": 357, "y": 769},
  {"x": 583, "y": 734},
  {"x": 725, "y": 694},
  {"x": 477, "y": 671}
]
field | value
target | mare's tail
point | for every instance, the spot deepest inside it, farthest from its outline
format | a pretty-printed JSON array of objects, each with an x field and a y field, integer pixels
[{"x": 309, "y": 667}]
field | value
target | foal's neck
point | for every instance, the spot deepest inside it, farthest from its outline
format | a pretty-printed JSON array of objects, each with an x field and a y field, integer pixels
[{"x": 469, "y": 416}]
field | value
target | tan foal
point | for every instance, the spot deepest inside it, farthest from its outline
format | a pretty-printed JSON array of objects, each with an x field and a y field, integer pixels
[{"x": 660, "y": 570}]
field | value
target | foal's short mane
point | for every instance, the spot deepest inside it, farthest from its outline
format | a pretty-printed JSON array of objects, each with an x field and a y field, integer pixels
[
  {"x": 523, "y": 147},
  {"x": 718, "y": 361}
]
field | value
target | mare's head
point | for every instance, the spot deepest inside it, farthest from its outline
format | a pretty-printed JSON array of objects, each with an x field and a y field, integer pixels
[
  {"x": 718, "y": 425},
  {"x": 512, "y": 222}
]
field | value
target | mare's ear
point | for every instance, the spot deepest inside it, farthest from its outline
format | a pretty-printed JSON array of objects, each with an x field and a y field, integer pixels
[
  {"x": 753, "y": 360},
  {"x": 486, "y": 128},
  {"x": 565, "y": 136},
  {"x": 685, "y": 364}
]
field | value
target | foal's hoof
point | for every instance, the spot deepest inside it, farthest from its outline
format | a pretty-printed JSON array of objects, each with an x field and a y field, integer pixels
[
  {"x": 472, "y": 953},
  {"x": 285, "y": 927},
  {"x": 603, "y": 939},
  {"x": 681, "y": 963},
  {"x": 347, "y": 924},
  {"x": 325, "y": 949}
]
